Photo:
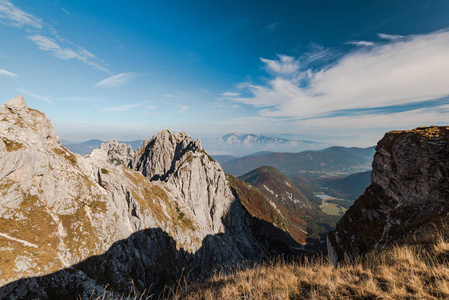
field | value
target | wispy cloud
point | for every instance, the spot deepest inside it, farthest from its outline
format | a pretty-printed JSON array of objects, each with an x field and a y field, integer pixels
[
  {"x": 53, "y": 99},
  {"x": 45, "y": 36},
  {"x": 315, "y": 53},
  {"x": 285, "y": 65},
  {"x": 124, "y": 107},
  {"x": 173, "y": 96},
  {"x": 45, "y": 99},
  {"x": 183, "y": 109},
  {"x": 401, "y": 71},
  {"x": 7, "y": 73},
  {"x": 271, "y": 27},
  {"x": 13, "y": 16},
  {"x": 403, "y": 119},
  {"x": 230, "y": 94},
  {"x": 389, "y": 37},
  {"x": 51, "y": 45},
  {"x": 116, "y": 80},
  {"x": 66, "y": 11},
  {"x": 360, "y": 43}
]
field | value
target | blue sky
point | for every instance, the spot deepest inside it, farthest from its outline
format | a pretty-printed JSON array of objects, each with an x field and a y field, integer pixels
[{"x": 341, "y": 72}]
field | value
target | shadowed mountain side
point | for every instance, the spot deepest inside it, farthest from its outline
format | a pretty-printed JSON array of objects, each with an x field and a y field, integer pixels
[
  {"x": 150, "y": 260},
  {"x": 350, "y": 187},
  {"x": 282, "y": 195}
]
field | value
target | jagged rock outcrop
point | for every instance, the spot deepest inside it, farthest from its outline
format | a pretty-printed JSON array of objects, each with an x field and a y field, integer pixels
[
  {"x": 408, "y": 198},
  {"x": 184, "y": 165},
  {"x": 73, "y": 224},
  {"x": 114, "y": 152}
]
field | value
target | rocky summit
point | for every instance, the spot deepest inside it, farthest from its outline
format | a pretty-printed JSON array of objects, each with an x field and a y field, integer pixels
[
  {"x": 71, "y": 224},
  {"x": 407, "y": 201}
]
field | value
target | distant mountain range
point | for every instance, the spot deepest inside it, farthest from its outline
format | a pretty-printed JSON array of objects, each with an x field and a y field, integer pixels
[
  {"x": 241, "y": 144},
  {"x": 87, "y": 147},
  {"x": 224, "y": 148},
  {"x": 329, "y": 162}
]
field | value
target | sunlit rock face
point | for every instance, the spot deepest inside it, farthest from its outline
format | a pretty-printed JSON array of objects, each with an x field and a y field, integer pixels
[
  {"x": 72, "y": 224},
  {"x": 185, "y": 166},
  {"x": 408, "y": 198}
]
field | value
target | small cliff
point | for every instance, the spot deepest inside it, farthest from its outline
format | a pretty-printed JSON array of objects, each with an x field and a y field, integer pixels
[{"x": 407, "y": 201}]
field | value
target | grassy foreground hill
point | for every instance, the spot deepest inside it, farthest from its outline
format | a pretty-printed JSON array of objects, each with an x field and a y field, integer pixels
[
  {"x": 406, "y": 272},
  {"x": 400, "y": 272}
]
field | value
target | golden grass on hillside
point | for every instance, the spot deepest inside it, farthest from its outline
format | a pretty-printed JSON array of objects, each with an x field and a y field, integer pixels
[
  {"x": 407, "y": 272},
  {"x": 399, "y": 273}
]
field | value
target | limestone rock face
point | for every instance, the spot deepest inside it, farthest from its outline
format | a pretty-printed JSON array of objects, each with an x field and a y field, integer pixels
[
  {"x": 407, "y": 198},
  {"x": 114, "y": 152},
  {"x": 72, "y": 224},
  {"x": 184, "y": 165}
]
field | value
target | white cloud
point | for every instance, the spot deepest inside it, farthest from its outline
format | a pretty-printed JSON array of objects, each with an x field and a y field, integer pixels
[
  {"x": 51, "y": 45},
  {"x": 183, "y": 109},
  {"x": 360, "y": 43},
  {"x": 316, "y": 52},
  {"x": 13, "y": 16},
  {"x": 116, "y": 80},
  {"x": 7, "y": 73},
  {"x": 286, "y": 65},
  {"x": 403, "y": 71},
  {"x": 230, "y": 94},
  {"x": 399, "y": 120},
  {"x": 389, "y": 37}
]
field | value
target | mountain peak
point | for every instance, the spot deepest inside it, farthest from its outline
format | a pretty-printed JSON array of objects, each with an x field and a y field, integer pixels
[
  {"x": 17, "y": 103},
  {"x": 26, "y": 126}
]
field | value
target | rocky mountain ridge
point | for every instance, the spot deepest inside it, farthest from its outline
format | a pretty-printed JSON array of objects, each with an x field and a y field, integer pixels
[
  {"x": 407, "y": 200},
  {"x": 74, "y": 224}
]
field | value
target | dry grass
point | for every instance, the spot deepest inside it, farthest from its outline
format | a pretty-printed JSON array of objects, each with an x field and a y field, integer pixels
[
  {"x": 407, "y": 272},
  {"x": 399, "y": 273}
]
